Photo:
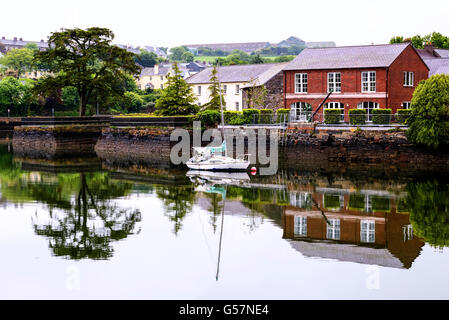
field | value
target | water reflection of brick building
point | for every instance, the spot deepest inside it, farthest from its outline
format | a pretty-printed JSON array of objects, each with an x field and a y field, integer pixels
[{"x": 370, "y": 227}]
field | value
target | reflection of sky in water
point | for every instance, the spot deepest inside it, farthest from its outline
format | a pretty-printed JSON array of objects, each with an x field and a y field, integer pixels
[{"x": 157, "y": 264}]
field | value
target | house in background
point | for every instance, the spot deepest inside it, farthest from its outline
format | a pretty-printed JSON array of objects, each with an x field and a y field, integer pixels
[
  {"x": 364, "y": 77},
  {"x": 236, "y": 80},
  {"x": 20, "y": 43},
  {"x": 436, "y": 59},
  {"x": 156, "y": 77}
]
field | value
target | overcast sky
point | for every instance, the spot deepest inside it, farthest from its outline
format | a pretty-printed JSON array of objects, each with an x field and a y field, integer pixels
[{"x": 176, "y": 22}]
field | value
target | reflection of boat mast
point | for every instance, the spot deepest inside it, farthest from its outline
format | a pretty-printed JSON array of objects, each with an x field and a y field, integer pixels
[
  {"x": 221, "y": 234},
  {"x": 322, "y": 212},
  {"x": 221, "y": 106}
]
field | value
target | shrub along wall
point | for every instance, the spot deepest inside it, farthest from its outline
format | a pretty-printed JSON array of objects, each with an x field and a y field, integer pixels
[
  {"x": 208, "y": 118},
  {"x": 403, "y": 115},
  {"x": 283, "y": 114},
  {"x": 357, "y": 116},
  {"x": 265, "y": 116},
  {"x": 381, "y": 116},
  {"x": 251, "y": 115},
  {"x": 332, "y": 116}
]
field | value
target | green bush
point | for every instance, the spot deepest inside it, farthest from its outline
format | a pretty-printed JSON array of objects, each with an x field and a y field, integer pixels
[
  {"x": 356, "y": 202},
  {"x": 429, "y": 118},
  {"x": 283, "y": 114},
  {"x": 332, "y": 116},
  {"x": 357, "y": 116},
  {"x": 380, "y": 204},
  {"x": 234, "y": 117},
  {"x": 251, "y": 115},
  {"x": 265, "y": 115},
  {"x": 381, "y": 116},
  {"x": 208, "y": 118},
  {"x": 403, "y": 115},
  {"x": 331, "y": 201}
]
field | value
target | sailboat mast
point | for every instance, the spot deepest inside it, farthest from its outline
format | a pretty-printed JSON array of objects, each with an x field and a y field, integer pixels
[
  {"x": 221, "y": 233},
  {"x": 221, "y": 107}
]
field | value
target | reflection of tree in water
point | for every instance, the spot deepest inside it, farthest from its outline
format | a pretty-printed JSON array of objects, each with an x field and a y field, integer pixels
[
  {"x": 428, "y": 203},
  {"x": 178, "y": 202},
  {"x": 216, "y": 208},
  {"x": 84, "y": 227},
  {"x": 254, "y": 199}
]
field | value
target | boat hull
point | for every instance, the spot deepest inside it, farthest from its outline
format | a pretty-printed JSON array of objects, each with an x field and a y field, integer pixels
[{"x": 236, "y": 166}]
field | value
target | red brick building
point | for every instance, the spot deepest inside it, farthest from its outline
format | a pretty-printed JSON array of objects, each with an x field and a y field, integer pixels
[{"x": 368, "y": 77}]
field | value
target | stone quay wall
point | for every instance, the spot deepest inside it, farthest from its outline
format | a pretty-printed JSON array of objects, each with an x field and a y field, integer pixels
[
  {"x": 125, "y": 146},
  {"x": 371, "y": 147},
  {"x": 55, "y": 142}
]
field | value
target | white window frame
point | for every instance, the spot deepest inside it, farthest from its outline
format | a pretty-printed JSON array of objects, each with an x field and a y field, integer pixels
[
  {"x": 366, "y": 105},
  {"x": 407, "y": 232},
  {"x": 301, "y": 199},
  {"x": 300, "y": 226},
  {"x": 301, "y": 82},
  {"x": 409, "y": 79},
  {"x": 237, "y": 106},
  {"x": 332, "y": 83},
  {"x": 406, "y": 105},
  {"x": 336, "y": 105},
  {"x": 333, "y": 229},
  {"x": 225, "y": 88},
  {"x": 370, "y": 81},
  {"x": 237, "y": 89},
  {"x": 367, "y": 231},
  {"x": 199, "y": 90}
]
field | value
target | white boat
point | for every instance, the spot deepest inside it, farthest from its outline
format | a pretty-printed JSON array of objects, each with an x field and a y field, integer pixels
[
  {"x": 220, "y": 177},
  {"x": 206, "y": 158}
]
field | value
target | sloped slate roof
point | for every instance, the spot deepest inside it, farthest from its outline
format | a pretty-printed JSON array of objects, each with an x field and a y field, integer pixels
[
  {"x": 443, "y": 53},
  {"x": 374, "y": 56},
  {"x": 270, "y": 73},
  {"x": 438, "y": 66},
  {"x": 348, "y": 253},
  {"x": 150, "y": 71},
  {"x": 235, "y": 73}
]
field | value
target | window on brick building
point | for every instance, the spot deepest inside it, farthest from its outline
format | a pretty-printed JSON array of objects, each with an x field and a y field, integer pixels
[
  {"x": 300, "y": 226},
  {"x": 300, "y": 112},
  {"x": 367, "y": 231},
  {"x": 407, "y": 232},
  {"x": 368, "y": 106},
  {"x": 369, "y": 81},
  {"x": 301, "y": 83},
  {"x": 334, "y": 82},
  {"x": 409, "y": 78},
  {"x": 333, "y": 229},
  {"x": 406, "y": 105}
]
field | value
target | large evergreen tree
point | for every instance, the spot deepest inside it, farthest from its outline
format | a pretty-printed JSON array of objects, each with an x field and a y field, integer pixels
[
  {"x": 177, "y": 98},
  {"x": 214, "y": 88},
  {"x": 86, "y": 60}
]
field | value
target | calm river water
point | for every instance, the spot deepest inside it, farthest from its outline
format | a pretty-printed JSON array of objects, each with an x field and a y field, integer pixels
[{"x": 81, "y": 228}]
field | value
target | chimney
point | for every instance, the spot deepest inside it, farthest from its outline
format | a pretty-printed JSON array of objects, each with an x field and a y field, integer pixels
[
  {"x": 42, "y": 40},
  {"x": 429, "y": 47},
  {"x": 21, "y": 39},
  {"x": 15, "y": 38},
  {"x": 3, "y": 38},
  {"x": 156, "y": 69}
]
